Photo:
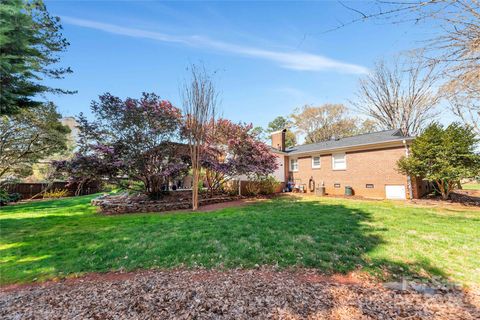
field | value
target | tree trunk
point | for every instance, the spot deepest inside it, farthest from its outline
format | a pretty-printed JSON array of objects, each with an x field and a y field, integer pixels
[
  {"x": 444, "y": 189},
  {"x": 79, "y": 187},
  {"x": 195, "y": 189}
]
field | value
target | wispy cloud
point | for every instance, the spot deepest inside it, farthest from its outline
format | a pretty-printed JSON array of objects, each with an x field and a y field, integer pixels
[{"x": 295, "y": 60}]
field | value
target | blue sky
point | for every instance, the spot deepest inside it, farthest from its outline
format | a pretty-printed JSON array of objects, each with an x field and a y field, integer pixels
[{"x": 271, "y": 57}]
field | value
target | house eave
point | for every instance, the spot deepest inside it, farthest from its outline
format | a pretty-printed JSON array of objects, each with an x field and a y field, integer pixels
[
  {"x": 278, "y": 151},
  {"x": 359, "y": 147}
]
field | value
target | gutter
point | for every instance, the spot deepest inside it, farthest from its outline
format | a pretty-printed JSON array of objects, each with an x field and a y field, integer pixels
[{"x": 279, "y": 151}]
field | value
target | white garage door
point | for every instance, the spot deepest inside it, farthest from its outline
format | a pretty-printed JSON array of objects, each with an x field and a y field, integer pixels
[{"x": 395, "y": 192}]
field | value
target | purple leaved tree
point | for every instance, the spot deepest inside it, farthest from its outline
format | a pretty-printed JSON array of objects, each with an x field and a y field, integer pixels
[
  {"x": 232, "y": 149},
  {"x": 131, "y": 139}
]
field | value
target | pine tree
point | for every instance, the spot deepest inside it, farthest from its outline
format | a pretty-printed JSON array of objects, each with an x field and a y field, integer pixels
[{"x": 30, "y": 44}]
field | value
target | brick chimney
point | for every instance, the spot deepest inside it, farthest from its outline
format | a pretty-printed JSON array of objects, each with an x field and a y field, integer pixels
[{"x": 278, "y": 139}]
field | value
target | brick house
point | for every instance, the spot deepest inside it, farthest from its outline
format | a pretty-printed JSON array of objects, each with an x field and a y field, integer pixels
[{"x": 366, "y": 163}]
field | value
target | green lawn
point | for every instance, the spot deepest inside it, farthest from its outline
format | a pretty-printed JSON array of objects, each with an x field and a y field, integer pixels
[
  {"x": 57, "y": 238},
  {"x": 471, "y": 186}
]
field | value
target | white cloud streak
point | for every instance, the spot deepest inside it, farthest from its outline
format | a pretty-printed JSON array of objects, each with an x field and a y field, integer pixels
[{"x": 295, "y": 60}]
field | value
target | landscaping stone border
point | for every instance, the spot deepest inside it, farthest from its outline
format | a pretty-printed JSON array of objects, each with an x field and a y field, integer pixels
[{"x": 176, "y": 200}]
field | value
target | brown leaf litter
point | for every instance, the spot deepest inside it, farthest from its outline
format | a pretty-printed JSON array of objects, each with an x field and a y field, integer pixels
[{"x": 234, "y": 294}]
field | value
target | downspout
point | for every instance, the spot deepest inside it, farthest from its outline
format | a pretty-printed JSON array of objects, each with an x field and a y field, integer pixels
[{"x": 409, "y": 179}]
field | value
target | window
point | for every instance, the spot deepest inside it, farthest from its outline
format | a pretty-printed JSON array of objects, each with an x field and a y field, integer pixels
[
  {"x": 336, "y": 185},
  {"x": 339, "y": 161},
  {"x": 369, "y": 186},
  {"x": 316, "y": 162},
  {"x": 293, "y": 164}
]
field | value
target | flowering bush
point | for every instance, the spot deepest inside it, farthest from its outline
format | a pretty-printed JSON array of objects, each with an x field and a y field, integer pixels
[{"x": 57, "y": 193}]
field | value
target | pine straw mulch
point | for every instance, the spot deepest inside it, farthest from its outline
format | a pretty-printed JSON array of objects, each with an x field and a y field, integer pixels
[{"x": 234, "y": 294}]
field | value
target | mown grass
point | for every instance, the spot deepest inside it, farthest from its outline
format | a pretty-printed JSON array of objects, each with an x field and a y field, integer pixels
[
  {"x": 471, "y": 186},
  {"x": 63, "y": 237}
]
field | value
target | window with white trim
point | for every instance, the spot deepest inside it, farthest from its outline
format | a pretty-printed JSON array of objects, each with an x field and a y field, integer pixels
[
  {"x": 293, "y": 164},
  {"x": 339, "y": 161},
  {"x": 316, "y": 162}
]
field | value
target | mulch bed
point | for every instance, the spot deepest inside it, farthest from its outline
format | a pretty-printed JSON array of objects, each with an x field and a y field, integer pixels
[
  {"x": 140, "y": 203},
  {"x": 466, "y": 197},
  {"x": 458, "y": 198},
  {"x": 235, "y": 294}
]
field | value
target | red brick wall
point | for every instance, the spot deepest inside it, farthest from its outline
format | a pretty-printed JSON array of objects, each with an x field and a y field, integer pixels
[
  {"x": 278, "y": 140},
  {"x": 420, "y": 188},
  {"x": 377, "y": 167}
]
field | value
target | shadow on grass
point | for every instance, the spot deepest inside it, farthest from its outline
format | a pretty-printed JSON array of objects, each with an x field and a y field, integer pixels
[{"x": 283, "y": 232}]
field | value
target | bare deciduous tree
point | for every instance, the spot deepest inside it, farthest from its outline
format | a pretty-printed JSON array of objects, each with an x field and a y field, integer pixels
[
  {"x": 454, "y": 45},
  {"x": 402, "y": 96},
  {"x": 464, "y": 99},
  {"x": 328, "y": 121},
  {"x": 199, "y": 108}
]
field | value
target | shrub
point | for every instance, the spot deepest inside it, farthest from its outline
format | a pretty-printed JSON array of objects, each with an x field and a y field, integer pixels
[
  {"x": 268, "y": 185},
  {"x": 261, "y": 185},
  {"x": 57, "y": 193},
  {"x": 231, "y": 188},
  {"x": 252, "y": 188},
  {"x": 108, "y": 187},
  {"x": 14, "y": 197},
  {"x": 6, "y": 197}
]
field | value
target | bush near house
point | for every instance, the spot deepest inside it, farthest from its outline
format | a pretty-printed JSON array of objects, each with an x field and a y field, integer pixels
[
  {"x": 443, "y": 156},
  {"x": 263, "y": 185}
]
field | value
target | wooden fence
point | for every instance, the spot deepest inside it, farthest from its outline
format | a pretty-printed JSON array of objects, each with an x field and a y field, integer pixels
[{"x": 28, "y": 190}]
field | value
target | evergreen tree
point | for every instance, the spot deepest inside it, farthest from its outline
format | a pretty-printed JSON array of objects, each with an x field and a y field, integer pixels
[
  {"x": 280, "y": 123},
  {"x": 443, "y": 156},
  {"x": 30, "y": 43}
]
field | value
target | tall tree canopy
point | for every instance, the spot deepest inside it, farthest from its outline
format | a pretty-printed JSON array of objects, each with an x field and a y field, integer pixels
[
  {"x": 30, "y": 136},
  {"x": 30, "y": 42},
  {"x": 443, "y": 156},
  {"x": 280, "y": 123},
  {"x": 328, "y": 121}
]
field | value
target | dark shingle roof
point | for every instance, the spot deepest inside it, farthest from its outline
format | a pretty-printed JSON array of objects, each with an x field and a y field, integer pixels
[{"x": 359, "y": 140}]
